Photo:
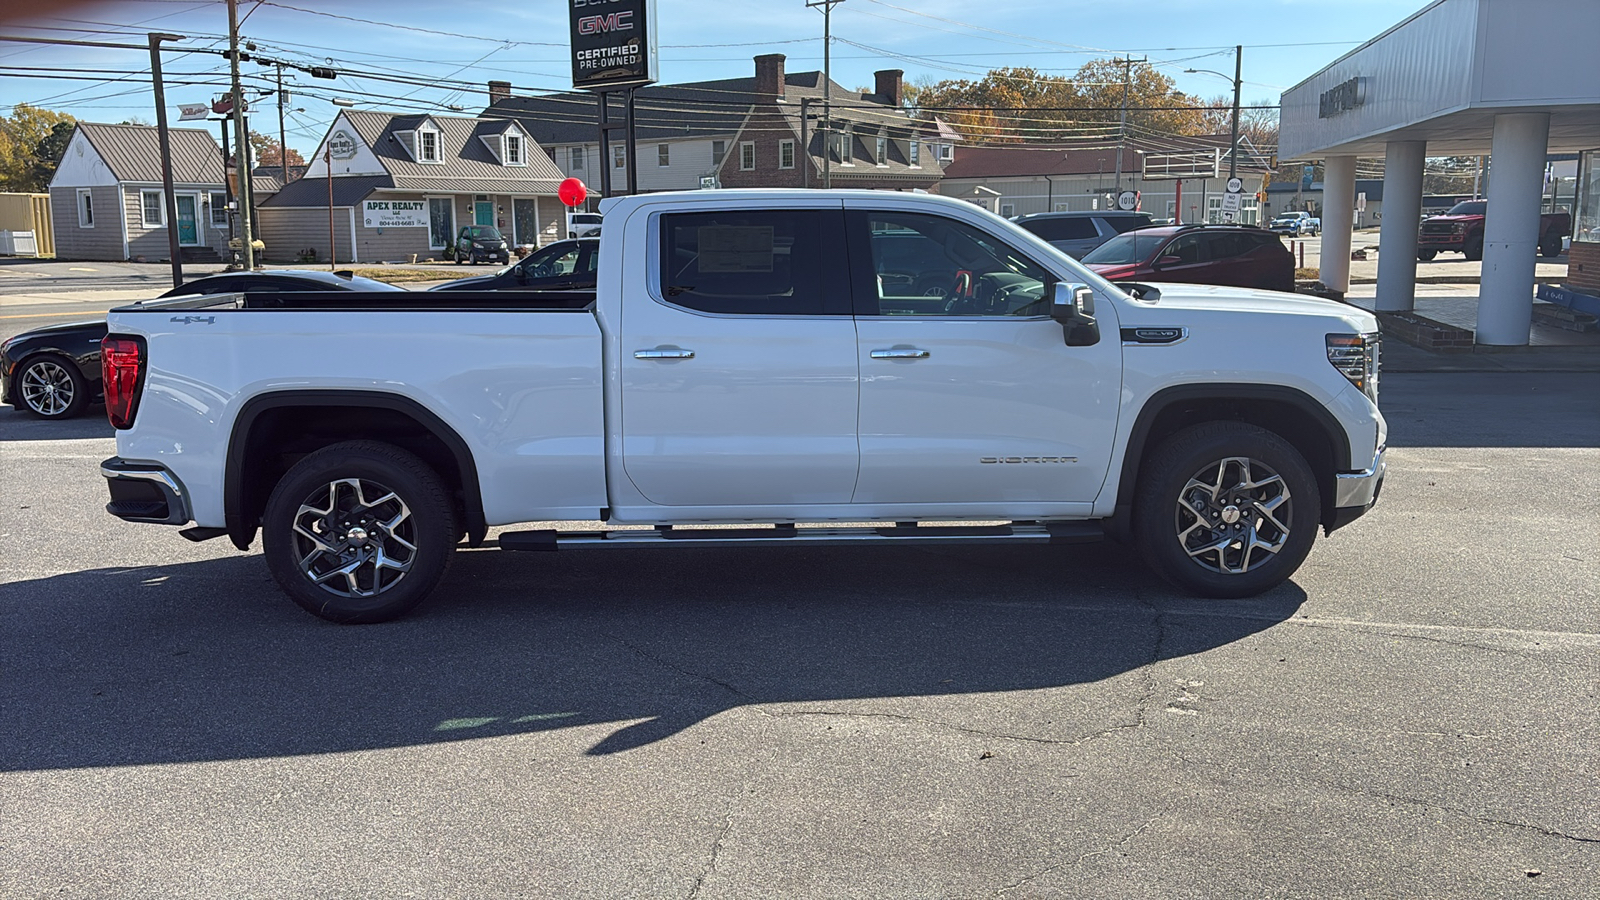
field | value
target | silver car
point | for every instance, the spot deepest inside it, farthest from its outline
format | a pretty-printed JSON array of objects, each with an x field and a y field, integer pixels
[{"x": 1076, "y": 233}]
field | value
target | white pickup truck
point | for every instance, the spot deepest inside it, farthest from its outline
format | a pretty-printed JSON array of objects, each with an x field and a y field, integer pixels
[{"x": 786, "y": 366}]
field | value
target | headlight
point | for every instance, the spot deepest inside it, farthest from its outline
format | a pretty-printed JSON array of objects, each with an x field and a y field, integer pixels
[{"x": 1358, "y": 358}]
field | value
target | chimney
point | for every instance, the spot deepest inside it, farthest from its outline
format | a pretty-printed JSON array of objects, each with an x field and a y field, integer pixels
[
  {"x": 499, "y": 90},
  {"x": 769, "y": 74},
  {"x": 889, "y": 85}
]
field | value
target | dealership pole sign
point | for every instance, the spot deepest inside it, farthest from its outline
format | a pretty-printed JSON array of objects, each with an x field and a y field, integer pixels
[{"x": 613, "y": 43}]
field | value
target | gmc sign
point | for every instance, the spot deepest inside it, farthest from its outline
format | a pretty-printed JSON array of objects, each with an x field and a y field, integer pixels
[{"x": 613, "y": 43}]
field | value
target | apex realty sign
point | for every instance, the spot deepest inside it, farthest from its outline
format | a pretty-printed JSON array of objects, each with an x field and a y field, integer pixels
[
  {"x": 613, "y": 43},
  {"x": 394, "y": 213}
]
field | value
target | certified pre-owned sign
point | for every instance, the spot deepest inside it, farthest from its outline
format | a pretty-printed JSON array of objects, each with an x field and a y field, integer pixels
[{"x": 613, "y": 43}]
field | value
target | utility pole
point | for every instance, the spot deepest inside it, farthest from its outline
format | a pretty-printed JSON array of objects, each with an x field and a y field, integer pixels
[
  {"x": 1122, "y": 121},
  {"x": 242, "y": 137},
  {"x": 167, "y": 195},
  {"x": 827, "y": 86},
  {"x": 283, "y": 135},
  {"x": 1233, "y": 143}
]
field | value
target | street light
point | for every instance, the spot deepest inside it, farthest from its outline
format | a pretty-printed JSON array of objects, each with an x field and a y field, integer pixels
[{"x": 1233, "y": 142}]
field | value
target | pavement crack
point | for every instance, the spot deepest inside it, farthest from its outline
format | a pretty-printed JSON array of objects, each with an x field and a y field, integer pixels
[
  {"x": 699, "y": 676},
  {"x": 1467, "y": 814},
  {"x": 1109, "y": 848},
  {"x": 716, "y": 853}
]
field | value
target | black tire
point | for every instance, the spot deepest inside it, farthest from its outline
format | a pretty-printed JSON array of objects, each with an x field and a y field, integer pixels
[
  {"x": 334, "y": 494},
  {"x": 50, "y": 387},
  {"x": 1169, "y": 529},
  {"x": 459, "y": 260},
  {"x": 1473, "y": 249},
  {"x": 1550, "y": 246},
  {"x": 1427, "y": 255}
]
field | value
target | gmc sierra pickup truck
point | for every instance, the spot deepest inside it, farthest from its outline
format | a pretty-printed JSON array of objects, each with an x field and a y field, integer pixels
[
  {"x": 763, "y": 361},
  {"x": 1461, "y": 230}
]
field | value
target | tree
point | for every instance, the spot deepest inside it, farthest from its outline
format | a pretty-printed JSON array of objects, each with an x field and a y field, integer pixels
[
  {"x": 269, "y": 153},
  {"x": 1018, "y": 105},
  {"x": 20, "y": 137},
  {"x": 48, "y": 152},
  {"x": 136, "y": 120}
]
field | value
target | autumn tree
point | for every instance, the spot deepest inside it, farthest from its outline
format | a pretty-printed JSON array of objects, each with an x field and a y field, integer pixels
[
  {"x": 268, "y": 152},
  {"x": 1016, "y": 105},
  {"x": 22, "y": 133}
]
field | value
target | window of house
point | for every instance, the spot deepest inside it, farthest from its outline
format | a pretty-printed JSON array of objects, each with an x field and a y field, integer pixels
[
  {"x": 847, "y": 146},
  {"x": 755, "y": 262},
  {"x": 219, "y": 209},
  {"x": 922, "y": 265},
  {"x": 719, "y": 151},
  {"x": 428, "y": 146},
  {"x": 150, "y": 209},
  {"x": 1586, "y": 200},
  {"x": 514, "y": 150},
  {"x": 577, "y": 160},
  {"x": 85, "y": 209},
  {"x": 786, "y": 154},
  {"x": 880, "y": 153},
  {"x": 945, "y": 152},
  {"x": 1008, "y": 210},
  {"x": 619, "y": 157},
  {"x": 663, "y": 154},
  {"x": 747, "y": 155},
  {"x": 913, "y": 152}
]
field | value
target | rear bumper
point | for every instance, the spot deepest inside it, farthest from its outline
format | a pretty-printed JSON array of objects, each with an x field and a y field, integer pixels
[
  {"x": 145, "y": 492},
  {"x": 1356, "y": 492}
]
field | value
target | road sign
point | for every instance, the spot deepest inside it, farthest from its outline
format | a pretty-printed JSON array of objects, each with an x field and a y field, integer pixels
[
  {"x": 1361, "y": 202},
  {"x": 1230, "y": 206},
  {"x": 1235, "y": 185},
  {"x": 1128, "y": 200}
]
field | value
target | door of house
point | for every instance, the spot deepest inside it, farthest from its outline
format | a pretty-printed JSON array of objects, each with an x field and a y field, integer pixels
[
  {"x": 483, "y": 213},
  {"x": 188, "y": 222}
]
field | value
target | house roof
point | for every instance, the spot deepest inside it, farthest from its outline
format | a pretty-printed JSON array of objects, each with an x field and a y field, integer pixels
[
  {"x": 689, "y": 110},
  {"x": 1020, "y": 161},
  {"x": 347, "y": 191},
  {"x": 270, "y": 180},
  {"x": 133, "y": 153},
  {"x": 467, "y": 166}
]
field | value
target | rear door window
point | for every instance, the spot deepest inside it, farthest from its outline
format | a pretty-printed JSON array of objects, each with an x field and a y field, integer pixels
[
  {"x": 1127, "y": 223},
  {"x": 756, "y": 262}
]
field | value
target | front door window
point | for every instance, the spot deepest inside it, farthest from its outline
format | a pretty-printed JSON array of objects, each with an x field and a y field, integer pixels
[
  {"x": 441, "y": 222},
  {"x": 525, "y": 220}
]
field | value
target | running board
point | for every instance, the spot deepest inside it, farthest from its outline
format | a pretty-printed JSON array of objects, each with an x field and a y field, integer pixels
[{"x": 900, "y": 533}]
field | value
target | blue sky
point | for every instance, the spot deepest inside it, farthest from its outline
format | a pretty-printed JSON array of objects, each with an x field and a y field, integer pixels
[{"x": 525, "y": 42}]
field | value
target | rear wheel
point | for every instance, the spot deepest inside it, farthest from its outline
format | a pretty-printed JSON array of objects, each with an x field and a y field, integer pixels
[
  {"x": 358, "y": 532},
  {"x": 51, "y": 387},
  {"x": 1550, "y": 245},
  {"x": 1427, "y": 255},
  {"x": 1226, "y": 509}
]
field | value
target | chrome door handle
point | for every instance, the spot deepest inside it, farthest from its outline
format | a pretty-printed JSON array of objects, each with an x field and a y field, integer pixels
[
  {"x": 900, "y": 353},
  {"x": 663, "y": 354}
]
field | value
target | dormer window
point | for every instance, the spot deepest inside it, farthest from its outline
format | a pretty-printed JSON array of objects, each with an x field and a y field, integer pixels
[
  {"x": 513, "y": 150},
  {"x": 427, "y": 145}
]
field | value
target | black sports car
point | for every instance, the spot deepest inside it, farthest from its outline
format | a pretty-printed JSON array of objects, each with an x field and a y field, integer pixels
[
  {"x": 53, "y": 372},
  {"x": 561, "y": 266}
]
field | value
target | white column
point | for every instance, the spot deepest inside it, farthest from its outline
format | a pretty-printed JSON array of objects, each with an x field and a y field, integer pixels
[
  {"x": 1511, "y": 234},
  {"x": 1402, "y": 212},
  {"x": 1338, "y": 215}
]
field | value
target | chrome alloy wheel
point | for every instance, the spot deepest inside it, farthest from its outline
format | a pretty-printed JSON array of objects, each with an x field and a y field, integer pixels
[
  {"x": 47, "y": 388},
  {"x": 1231, "y": 514},
  {"x": 354, "y": 538}
]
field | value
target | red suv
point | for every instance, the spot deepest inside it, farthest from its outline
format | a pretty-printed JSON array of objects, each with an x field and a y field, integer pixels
[{"x": 1232, "y": 255}]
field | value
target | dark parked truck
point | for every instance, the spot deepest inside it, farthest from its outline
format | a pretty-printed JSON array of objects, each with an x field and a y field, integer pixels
[{"x": 1461, "y": 230}]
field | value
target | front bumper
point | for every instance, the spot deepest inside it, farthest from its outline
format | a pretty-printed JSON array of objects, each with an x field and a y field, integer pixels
[
  {"x": 1356, "y": 492},
  {"x": 145, "y": 492}
]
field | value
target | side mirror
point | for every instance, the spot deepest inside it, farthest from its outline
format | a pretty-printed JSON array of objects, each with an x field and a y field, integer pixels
[
  {"x": 1072, "y": 305},
  {"x": 1166, "y": 261}
]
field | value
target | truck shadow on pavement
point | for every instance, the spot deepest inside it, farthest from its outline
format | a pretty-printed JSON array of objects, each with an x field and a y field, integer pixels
[{"x": 206, "y": 661}]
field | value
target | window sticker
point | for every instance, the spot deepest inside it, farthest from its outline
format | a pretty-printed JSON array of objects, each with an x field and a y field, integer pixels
[{"x": 735, "y": 248}]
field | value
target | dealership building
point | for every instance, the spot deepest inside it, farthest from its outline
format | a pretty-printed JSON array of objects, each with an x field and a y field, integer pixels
[{"x": 1515, "y": 80}]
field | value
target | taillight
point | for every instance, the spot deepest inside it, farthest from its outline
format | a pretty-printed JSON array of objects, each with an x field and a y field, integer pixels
[{"x": 122, "y": 376}]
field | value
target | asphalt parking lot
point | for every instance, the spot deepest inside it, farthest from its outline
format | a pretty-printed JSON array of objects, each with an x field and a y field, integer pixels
[{"x": 1413, "y": 716}]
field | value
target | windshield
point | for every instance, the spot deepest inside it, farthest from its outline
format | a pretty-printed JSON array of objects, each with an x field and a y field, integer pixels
[
  {"x": 484, "y": 232},
  {"x": 1124, "y": 249},
  {"x": 1469, "y": 208}
]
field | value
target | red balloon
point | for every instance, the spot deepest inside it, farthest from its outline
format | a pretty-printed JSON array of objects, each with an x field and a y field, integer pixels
[{"x": 572, "y": 192}]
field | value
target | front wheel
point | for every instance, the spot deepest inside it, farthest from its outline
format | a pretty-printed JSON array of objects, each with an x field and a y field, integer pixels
[
  {"x": 1226, "y": 509},
  {"x": 1473, "y": 249},
  {"x": 358, "y": 532},
  {"x": 1550, "y": 246},
  {"x": 1427, "y": 255},
  {"x": 51, "y": 387}
]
